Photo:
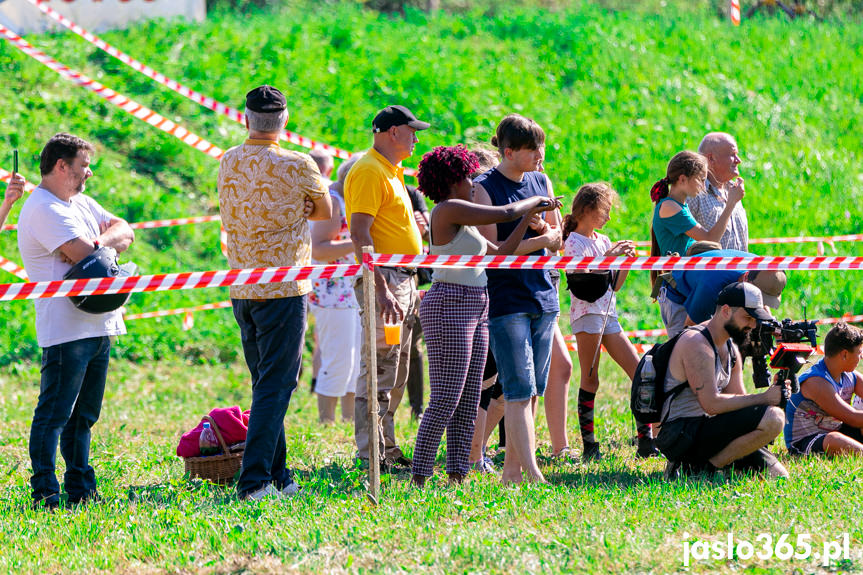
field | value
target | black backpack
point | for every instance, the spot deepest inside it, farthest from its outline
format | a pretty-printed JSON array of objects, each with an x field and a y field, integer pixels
[{"x": 647, "y": 395}]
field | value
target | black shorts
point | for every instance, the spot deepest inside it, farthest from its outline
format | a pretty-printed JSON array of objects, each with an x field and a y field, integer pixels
[
  {"x": 808, "y": 445},
  {"x": 493, "y": 392},
  {"x": 814, "y": 444},
  {"x": 713, "y": 434},
  {"x": 490, "y": 369}
]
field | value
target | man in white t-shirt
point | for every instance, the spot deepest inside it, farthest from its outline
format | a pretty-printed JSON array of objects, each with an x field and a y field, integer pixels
[{"x": 58, "y": 227}]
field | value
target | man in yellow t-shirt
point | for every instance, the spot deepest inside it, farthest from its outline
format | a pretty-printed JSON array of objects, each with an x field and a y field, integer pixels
[
  {"x": 263, "y": 191},
  {"x": 379, "y": 214}
]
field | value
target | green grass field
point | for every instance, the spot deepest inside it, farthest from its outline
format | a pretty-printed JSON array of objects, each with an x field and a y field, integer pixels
[
  {"x": 613, "y": 517},
  {"x": 618, "y": 92}
]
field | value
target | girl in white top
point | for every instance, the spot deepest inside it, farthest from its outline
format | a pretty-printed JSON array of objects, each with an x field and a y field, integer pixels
[{"x": 591, "y": 210}]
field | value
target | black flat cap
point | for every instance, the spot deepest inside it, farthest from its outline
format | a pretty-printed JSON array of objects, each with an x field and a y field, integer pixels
[{"x": 266, "y": 99}]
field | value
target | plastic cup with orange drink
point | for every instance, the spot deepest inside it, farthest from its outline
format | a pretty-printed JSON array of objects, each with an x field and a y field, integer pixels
[{"x": 393, "y": 333}]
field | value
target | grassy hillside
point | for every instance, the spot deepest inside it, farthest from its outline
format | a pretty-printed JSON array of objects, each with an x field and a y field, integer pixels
[{"x": 617, "y": 92}]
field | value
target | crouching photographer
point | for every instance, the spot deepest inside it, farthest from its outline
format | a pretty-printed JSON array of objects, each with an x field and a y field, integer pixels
[
  {"x": 819, "y": 417},
  {"x": 710, "y": 422}
]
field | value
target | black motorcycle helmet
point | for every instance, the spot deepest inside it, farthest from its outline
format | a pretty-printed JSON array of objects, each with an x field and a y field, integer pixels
[{"x": 100, "y": 264}]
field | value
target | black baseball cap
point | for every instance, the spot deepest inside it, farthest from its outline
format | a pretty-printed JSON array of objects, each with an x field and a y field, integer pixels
[
  {"x": 266, "y": 99},
  {"x": 396, "y": 116},
  {"x": 747, "y": 296}
]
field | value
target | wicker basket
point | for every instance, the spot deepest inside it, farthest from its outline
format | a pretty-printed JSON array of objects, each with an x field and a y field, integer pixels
[{"x": 217, "y": 468}]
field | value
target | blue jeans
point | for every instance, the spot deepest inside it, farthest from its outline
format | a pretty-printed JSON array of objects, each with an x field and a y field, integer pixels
[
  {"x": 70, "y": 400},
  {"x": 521, "y": 343},
  {"x": 272, "y": 333}
]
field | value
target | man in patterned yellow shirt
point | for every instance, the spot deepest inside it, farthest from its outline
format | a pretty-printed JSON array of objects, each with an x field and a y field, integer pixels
[
  {"x": 263, "y": 192},
  {"x": 380, "y": 214}
]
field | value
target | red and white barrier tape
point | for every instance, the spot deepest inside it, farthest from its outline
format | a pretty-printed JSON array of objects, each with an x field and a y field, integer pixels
[
  {"x": 176, "y": 281},
  {"x": 157, "y": 223},
  {"x": 634, "y": 333},
  {"x": 141, "y": 112},
  {"x": 626, "y": 263},
  {"x": 175, "y": 222},
  {"x": 223, "y": 241},
  {"x": 734, "y": 12},
  {"x": 661, "y": 332},
  {"x": 642, "y": 348},
  {"x": 848, "y": 318},
  {"x": 645, "y": 333},
  {"x": 28, "y": 187},
  {"x": 184, "y": 91},
  {"x": 804, "y": 239},
  {"x": 195, "y": 280},
  {"x": 178, "y": 311},
  {"x": 13, "y": 268},
  {"x": 6, "y": 176}
]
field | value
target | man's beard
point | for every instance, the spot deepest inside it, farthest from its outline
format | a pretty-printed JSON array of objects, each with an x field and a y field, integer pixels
[{"x": 738, "y": 334}]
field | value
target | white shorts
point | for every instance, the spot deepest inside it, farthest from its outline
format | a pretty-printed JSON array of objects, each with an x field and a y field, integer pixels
[
  {"x": 339, "y": 332},
  {"x": 592, "y": 323}
]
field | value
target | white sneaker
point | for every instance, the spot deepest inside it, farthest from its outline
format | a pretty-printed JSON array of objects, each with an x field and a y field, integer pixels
[
  {"x": 290, "y": 489},
  {"x": 265, "y": 492}
]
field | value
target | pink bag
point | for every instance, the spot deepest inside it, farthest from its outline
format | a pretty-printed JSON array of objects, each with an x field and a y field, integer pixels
[{"x": 232, "y": 422}]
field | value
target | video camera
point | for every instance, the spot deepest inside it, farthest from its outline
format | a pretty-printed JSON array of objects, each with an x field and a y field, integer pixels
[{"x": 789, "y": 356}]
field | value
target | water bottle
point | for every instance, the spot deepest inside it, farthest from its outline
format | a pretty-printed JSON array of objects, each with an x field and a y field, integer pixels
[
  {"x": 647, "y": 390},
  {"x": 208, "y": 443}
]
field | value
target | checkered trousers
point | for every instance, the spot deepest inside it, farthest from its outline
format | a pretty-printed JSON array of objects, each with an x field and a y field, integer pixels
[{"x": 454, "y": 320}]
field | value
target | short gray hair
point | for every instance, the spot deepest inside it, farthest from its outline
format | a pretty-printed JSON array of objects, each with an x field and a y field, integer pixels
[{"x": 267, "y": 121}]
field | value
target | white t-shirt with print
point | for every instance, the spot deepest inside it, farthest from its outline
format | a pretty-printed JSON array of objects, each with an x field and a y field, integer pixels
[
  {"x": 579, "y": 246},
  {"x": 46, "y": 222}
]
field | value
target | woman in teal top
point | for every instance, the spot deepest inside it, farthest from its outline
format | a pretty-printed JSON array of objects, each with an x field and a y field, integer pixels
[{"x": 674, "y": 228}]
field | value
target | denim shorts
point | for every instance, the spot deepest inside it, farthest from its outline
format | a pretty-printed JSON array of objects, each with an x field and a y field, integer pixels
[{"x": 522, "y": 349}]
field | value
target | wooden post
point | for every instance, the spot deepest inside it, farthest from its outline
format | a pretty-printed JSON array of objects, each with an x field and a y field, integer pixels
[{"x": 371, "y": 360}]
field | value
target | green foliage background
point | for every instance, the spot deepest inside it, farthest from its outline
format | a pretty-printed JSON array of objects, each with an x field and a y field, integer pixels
[{"x": 618, "y": 93}]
